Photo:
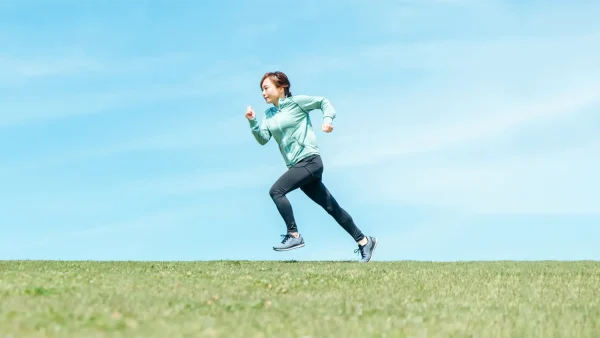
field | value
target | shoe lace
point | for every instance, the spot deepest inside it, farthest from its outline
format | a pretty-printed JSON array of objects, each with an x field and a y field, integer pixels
[
  {"x": 361, "y": 250},
  {"x": 285, "y": 237}
]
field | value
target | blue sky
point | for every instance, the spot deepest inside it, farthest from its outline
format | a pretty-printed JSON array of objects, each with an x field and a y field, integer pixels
[{"x": 466, "y": 130}]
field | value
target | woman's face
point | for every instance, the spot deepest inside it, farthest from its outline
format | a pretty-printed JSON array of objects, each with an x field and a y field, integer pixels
[{"x": 271, "y": 93}]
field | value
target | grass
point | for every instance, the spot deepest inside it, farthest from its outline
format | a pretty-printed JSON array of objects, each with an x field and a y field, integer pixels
[{"x": 299, "y": 299}]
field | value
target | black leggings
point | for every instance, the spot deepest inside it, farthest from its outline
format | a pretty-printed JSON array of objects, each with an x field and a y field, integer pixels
[{"x": 307, "y": 175}]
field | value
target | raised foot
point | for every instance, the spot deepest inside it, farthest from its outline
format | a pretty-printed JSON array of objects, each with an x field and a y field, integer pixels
[
  {"x": 289, "y": 242},
  {"x": 366, "y": 251}
]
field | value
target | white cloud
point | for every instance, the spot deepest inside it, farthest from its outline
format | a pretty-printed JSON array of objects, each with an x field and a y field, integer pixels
[
  {"x": 23, "y": 68},
  {"x": 464, "y": 92},
  {"x": 557, "y": 182},
  {"x": 413, "y": 138},
  {"x": 186, "y": 81},
  {"x": 189, "y": 132},
  {"x": 391, "y": 141},
  {"x": 147, "y": 222},
  {"x": 19, "y": 112},
  {"x": 204, "y": 181}
]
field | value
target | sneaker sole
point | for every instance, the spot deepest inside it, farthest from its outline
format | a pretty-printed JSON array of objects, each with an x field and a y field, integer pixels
[
  {"x": 290, "y": 248},
  {"x": 374, "y": 247}
]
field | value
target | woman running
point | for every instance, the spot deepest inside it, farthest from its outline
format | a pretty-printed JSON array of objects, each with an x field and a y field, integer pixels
[{"x": 288, "y": 122}]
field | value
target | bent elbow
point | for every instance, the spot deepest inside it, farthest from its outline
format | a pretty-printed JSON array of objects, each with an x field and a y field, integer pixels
[{"x": 262, "y": 140}]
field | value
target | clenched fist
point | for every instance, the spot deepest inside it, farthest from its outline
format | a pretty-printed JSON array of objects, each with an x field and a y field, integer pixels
[
  {"x": 326, "y": 127},
  {"x": 250, "y": 113}
]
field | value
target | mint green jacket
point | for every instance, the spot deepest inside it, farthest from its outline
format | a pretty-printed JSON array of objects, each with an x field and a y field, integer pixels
[{"x": 290, "y": 126}]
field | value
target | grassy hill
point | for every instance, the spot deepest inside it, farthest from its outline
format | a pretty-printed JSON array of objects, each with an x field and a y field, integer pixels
[{"x": 299, "y": 299}]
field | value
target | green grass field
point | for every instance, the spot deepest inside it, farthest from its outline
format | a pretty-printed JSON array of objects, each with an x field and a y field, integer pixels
[{"x": 299, "y": 299}]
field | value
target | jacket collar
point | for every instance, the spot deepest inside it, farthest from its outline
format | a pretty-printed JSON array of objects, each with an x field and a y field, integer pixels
[{"x": 282, "y": 102}]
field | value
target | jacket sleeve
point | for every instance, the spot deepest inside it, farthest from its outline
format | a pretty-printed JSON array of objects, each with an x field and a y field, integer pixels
[
  {"x": 260, "y": 131},
  {"x": 308, "y": 103}
]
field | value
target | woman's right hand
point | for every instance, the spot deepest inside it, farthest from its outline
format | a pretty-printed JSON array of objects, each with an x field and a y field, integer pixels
[{"x": 250, "y": 113}]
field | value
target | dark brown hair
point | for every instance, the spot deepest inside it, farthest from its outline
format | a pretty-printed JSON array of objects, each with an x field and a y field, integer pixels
[{"x": 280, "y": 80}]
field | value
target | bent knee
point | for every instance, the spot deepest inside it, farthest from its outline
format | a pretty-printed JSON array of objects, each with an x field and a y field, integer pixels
[{"x": 276, "y": 191}]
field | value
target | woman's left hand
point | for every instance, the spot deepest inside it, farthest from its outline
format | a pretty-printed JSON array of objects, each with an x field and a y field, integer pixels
[{"x": 326, "y": 127}]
